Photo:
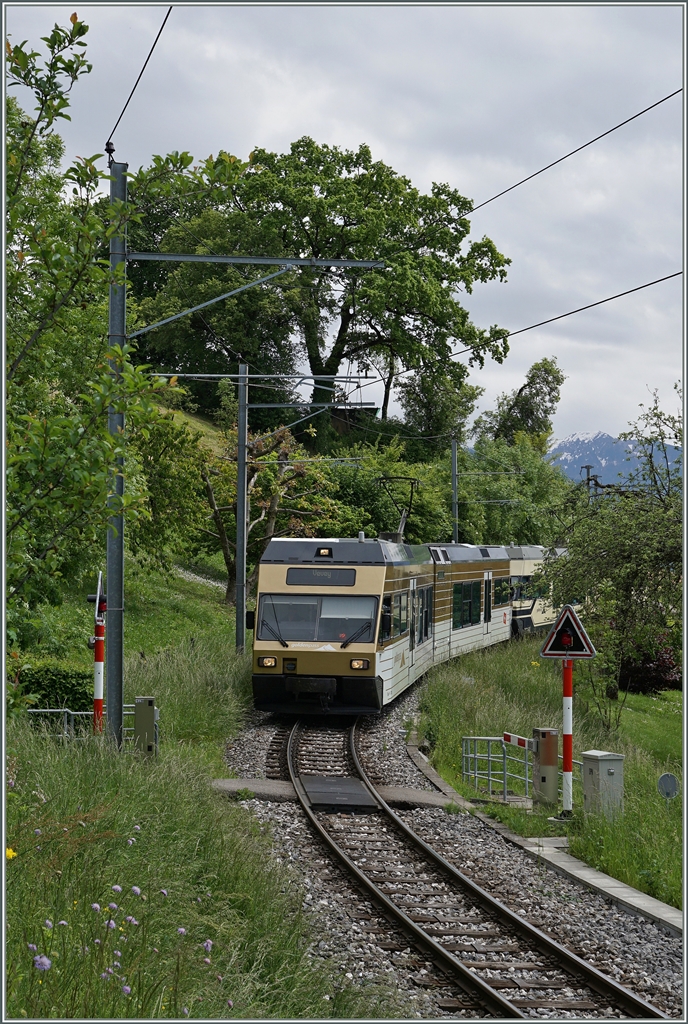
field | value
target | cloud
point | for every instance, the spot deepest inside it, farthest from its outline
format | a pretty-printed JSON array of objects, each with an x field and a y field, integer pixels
[{"x": 474, "y": 96}]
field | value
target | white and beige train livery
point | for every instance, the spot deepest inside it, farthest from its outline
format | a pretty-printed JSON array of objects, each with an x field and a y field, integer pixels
[{"x": 346, "y": 625}]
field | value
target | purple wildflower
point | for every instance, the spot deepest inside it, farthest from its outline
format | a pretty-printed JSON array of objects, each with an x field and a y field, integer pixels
[
  {"x": 11, "y": 783},
  {"x": 117, "y": 888},
  {"x": 116, "y": 963},
  {"x": 185, "y": 1011},
  {"x": 130, "y": 841},
  {"x": 116, "y": 952},
  {"x": 42, "y": 963},
  {"x": 134, "y": 922},
  {"x": 32, "y": 946},
  {"x": 181, "y": 931},
  {"x": 105, "y": 975},
  {"x": 95, "y": 906},
  {"x": 230, "y": 1004},
  {"x": 137, "y": 828},
  {"x": 111, "y": 924},
  {"x": 208, "y": 945},
  {"x": 128, "y": 918},
  {"x": 164, "y": 892},
  {"x": 198, "y": 899},
  {"x": 112, "y": 906},
  {"x": 206, "y": 960},
  {"x": 155, "y": 949},
  {"x": 48, "y": 924},
  {"x": 109, "y": 970},
  {"x": 62, "y": 922},
  {"x": 37, "y": 832},
  {"x": 126, "y": 989},
  {"x": 97, "y": 942},
  {"x": 136, "y": 891}
]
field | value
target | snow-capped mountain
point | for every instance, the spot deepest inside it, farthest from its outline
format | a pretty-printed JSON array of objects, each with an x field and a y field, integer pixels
[{"x": 607, "y": 455}]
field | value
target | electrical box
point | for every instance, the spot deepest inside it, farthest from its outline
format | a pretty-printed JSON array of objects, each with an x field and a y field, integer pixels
[
  {"x": 545, "y": 761},
  {"x": 603, "y": 782},
  {"x": 146, "y": 725}
]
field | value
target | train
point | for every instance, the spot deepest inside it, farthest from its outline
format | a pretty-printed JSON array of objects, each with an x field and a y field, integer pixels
[{"x": 344, "y": 626}]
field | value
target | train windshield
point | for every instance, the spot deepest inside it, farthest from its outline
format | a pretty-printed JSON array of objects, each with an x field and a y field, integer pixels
[{"x": 327, "y": 617}]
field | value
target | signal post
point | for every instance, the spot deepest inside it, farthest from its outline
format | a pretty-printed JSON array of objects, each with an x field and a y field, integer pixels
[{"x": 567, "y": 640}]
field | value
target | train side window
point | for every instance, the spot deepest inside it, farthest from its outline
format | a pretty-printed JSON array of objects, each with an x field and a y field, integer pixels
[
  {"x": 428, "y": 612},
  {"x": 396, "y": 615},
  {"x": 403, "y": 613},
  {"x": 501, "y": 591},
  {"x": 457, "y": 598},
  {"x": 385, "y": 634},
  {"x": 475, "y": 602}
]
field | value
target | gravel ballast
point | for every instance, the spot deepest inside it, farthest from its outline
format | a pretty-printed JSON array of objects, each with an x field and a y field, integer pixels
[{"x": 632, "y": 950}]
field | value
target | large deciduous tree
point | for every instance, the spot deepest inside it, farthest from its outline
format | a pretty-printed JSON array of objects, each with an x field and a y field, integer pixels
[{"x": 324, "y": 202}]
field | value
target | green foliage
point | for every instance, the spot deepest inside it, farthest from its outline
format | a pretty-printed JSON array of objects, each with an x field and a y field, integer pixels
[
  {"x": 527, "y": 410},
  {"x": 199, "y": 863},
  {"x": 624, "y": 559},
  {"x": 509, "y": 688},
  {"x": 314, "y": 201},
  {"x": 437, "y": 403},
  {"x": 58, "y": 685},
  {"x": 60, "y": 456}
]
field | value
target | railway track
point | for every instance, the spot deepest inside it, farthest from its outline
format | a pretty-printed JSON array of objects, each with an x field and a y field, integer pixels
[{"x": 494, "y": 963}]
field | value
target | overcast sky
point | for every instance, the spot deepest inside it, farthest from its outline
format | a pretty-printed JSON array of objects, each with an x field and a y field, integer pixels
[{"x": 475, "y": 96}]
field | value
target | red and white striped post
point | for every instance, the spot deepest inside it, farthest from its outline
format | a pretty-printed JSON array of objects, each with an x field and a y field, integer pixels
[
  {"x": 99, "y": 655},
  {"x": 567, "y": 739}
]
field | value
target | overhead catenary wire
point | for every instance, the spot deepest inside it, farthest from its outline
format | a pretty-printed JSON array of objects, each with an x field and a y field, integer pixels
[
  {"x": 150, "y": 54},
  {"x": 541, "y": 323},
  {"x": 573, "y": 151}
]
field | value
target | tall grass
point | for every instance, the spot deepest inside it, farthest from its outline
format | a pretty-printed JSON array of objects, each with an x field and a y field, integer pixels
[
  {"x": 508, "y": 688},
  {"x": 146, "y": 893}
]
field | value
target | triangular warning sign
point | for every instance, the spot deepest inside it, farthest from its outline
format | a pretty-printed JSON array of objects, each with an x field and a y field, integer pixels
[{"x": 567, "y": 638}]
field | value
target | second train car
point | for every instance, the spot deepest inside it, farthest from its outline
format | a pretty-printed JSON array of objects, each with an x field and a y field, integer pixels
[{"x": 345, "y": 626}]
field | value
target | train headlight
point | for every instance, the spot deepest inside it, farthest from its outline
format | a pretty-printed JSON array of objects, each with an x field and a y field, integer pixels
[
  {"x": 267, "y": 662},
  {"x": 359, "y": 663}
]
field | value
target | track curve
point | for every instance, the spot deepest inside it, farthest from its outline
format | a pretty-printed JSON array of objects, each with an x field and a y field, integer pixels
[{"x": 439, "y": 909}]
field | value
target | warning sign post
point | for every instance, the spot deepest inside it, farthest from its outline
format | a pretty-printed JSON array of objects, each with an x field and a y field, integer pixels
[{"x": 567, "y": 640}]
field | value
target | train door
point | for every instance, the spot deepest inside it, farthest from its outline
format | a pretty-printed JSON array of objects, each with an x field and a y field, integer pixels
[{"x": 487, "y": 602}]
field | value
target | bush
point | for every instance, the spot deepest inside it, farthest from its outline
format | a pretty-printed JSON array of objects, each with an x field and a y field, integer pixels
[{"x": 57, "y": 685}]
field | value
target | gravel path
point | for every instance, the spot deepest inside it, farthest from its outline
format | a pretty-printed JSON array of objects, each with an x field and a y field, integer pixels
[{"x": 632, "y": 950}]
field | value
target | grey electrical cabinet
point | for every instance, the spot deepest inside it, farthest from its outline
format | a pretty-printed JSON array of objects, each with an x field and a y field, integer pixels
[
  {"x": 603, "y": 782},
  {"x": 545, "y": 760},
  {"x": 146, "y": 725}
]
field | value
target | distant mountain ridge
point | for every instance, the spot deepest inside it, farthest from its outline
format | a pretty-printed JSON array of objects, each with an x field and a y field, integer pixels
[{"x": 608, "y": 456}]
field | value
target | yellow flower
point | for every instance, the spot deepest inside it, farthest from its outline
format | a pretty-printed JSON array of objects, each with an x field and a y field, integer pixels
[
  {"x": 10, "y": 853},
  {"x": 536, "y": 664}
]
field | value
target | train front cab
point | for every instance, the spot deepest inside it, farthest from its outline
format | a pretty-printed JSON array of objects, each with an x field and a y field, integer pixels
[{"x": 317, "y": 621}]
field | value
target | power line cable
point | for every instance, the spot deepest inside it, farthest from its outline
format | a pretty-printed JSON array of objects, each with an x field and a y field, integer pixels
[
  {"x": 561, "y": 316},
  {"x": 577, "y": 150},
  {"x": 109, "y": 139}
]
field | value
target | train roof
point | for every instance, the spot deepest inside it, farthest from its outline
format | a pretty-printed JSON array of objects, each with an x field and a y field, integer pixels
[
  {"x": 533, "y": 551},
  {"x": 374, "y": 551}
]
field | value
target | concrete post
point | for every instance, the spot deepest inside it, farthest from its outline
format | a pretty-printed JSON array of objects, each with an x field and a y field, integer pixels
[{"x": 546, "y": 766}]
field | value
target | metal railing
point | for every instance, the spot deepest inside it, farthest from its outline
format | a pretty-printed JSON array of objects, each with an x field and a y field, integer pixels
[
  {"x": 70, "y": 719},
  {"x": 487, "y": 758},
  {"x": 477, "y": 763}
]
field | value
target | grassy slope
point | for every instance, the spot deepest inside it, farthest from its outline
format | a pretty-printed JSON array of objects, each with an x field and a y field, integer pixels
[
  {"x": 509, "y": 688},
  {"x": 209, "y": 855}
]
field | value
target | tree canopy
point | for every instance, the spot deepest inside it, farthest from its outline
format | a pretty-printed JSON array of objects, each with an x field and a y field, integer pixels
[
  {"x": 320, "y": 202},
  {"x": 528, "y": 409}
]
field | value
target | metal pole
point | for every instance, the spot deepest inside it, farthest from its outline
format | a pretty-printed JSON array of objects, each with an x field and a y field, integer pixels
[
  {"x": 241, "y": 510},
  {"x": 117, "y": 329},
  {"x": 455, "y": 497}
]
